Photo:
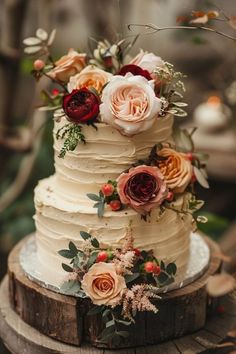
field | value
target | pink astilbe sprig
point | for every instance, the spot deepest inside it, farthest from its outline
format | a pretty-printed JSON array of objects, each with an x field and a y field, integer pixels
[{"x": 138, "y": 299}]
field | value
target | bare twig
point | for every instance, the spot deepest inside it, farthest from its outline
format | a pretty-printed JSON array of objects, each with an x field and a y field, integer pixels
[{"x": 155, "y": 29}]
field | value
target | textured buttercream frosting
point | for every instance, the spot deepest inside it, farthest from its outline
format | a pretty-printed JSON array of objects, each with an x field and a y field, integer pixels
[{"x": 63, "y": 209}]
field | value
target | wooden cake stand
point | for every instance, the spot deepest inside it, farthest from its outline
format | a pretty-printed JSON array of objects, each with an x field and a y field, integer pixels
[{"x": 28, "y": 312}]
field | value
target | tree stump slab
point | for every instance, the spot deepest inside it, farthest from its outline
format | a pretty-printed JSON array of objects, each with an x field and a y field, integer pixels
[{"x": 64, "y": 319}]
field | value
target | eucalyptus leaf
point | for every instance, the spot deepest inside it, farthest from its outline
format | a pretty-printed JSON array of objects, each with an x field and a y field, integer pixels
[
  {"x": 162, "y": 265},
  {"x": 101, "y": 209},
  {"x": 92, "y": 259},
  {"x": 200, "y": 177},
  {"x": 171, "y": 269},
  {"x": 73, "y": 248},
  {"x": 32, "y": 41},
  {"x": 125, "y": 323},
  {"x": 52, "y": 37},
  {"x": 124, "y": 334},
  {"x": 48, "y": 108},
  {"x": 67, "y": 268},
  {"x": 162, "y": 277},
  {"x": 42, "y": 34},
  {"x": 85, "y": 235},
  {"x": 95, "y": 243},
  {"x": 94, "y": 197},
  {"x": 66, "y": 254},
  {"x": 180, "y": 104},
  {"x": 180, "y": 113},
  {"x": 71, "y": 287},
  {"x": 110, "y": 323},
  {"x": 32, "y": 50}
]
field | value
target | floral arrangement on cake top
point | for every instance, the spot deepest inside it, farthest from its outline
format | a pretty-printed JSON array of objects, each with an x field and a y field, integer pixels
[{"x": 103, "y": 88}]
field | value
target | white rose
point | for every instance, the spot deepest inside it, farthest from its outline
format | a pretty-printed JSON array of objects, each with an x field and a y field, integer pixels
[{"x": 129, "y": 104}]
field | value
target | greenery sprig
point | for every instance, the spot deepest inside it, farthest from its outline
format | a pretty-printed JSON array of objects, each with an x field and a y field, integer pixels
[{"x": 72, "y": 133}]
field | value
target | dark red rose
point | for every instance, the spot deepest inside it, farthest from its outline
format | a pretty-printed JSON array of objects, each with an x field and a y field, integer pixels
[
  {"x": 142, "y": 187},
  {"x": 135, "y": 70},
  {"x": 81, "y": 106}
]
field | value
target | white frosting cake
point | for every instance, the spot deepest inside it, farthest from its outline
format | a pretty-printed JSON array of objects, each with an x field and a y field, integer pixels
[{"x": 63, "y": 208}]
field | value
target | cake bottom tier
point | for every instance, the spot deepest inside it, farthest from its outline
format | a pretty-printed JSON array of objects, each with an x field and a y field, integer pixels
[
  {"x": 64, "y": 317},
  {"x": 59, "y": 220}
]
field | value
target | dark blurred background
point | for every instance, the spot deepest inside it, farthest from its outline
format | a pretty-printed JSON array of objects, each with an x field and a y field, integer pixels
[{"x": 26, "y": 153}]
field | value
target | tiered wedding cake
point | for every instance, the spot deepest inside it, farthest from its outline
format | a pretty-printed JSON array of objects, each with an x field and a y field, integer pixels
[{"x": 120, "y": 205}]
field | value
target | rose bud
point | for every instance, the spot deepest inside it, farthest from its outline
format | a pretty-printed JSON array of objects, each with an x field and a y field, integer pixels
[
  {"x": 156, "y": 269},
  {"x": 55, "y": 92},
  {"x": 107, "y": 189},
  {"x": 115, "y": 205},
  {"x": 149, "y": 267},
  {"x": 102, "y": 256},
  {"x": 190, "y": 156},
  {"x": 81, "y": 106},
  {"x": 39, "y": 64},
  {"x": 170, "y": 196},
  {"x": 135, "y": 70}
]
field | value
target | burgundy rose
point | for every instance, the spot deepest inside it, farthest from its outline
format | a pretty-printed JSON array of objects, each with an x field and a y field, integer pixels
[
  {"x": 81, "y": 106},
  {"x": 135, "y": 70},
  {"x": 142, "y": 188}
]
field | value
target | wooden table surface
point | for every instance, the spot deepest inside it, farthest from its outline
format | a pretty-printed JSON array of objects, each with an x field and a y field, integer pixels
[{"x": 21, "y": 338}]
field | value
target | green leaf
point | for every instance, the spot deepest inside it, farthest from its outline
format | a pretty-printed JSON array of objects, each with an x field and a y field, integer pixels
[
  {"x": 66, "y": 254},
  {"x": 95, "y": 310},
  {"x": 95, "y": 243},
  {"x": 85, "y": 235},
  {"x": 162, "y": 277},
  {"x": 71, "y": 287},
  {"x": 200, "y": 177},
  {"x": 125, "y": 323},
  {"x": 92, "y": 259},
  {"x": 171, "y": 269},
  {"x": 94, "y": 197},
  {"x": 100, "y": 210},
  {"x": 73, "y": 248},
  {"x": 124, "y": 334},
  {"x": 107, "y": 332},
  {"x": 162, "y": 265},
  {"x": 67, "y": 268},
  {"x": 131, "y": 277},
  {"x": 180, "y": 104},
  {"x": 110, "y": 323}
]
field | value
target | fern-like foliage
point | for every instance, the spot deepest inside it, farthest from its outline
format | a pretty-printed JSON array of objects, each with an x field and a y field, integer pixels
[{"x": 72, "y": 133}]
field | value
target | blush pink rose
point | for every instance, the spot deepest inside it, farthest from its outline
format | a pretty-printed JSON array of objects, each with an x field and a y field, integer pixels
[
  {"x": 103, "y": 285},
  {"x": 148, "y": 61},
  {"x": 129, "y": 104},
  {"x": 142, "y": 188},
  {"x": 68, "y": 65}
]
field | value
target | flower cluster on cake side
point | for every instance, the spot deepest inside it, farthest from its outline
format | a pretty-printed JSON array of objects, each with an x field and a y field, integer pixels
[{"x": 130, "y": 95}]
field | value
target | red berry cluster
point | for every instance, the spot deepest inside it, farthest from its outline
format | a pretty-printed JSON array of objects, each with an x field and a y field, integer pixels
[
  {"x": 112, "y": 198},
  {"x": 152, "y": 267}
]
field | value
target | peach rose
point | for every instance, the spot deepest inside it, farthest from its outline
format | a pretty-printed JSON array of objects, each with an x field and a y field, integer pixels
[
  {"x": 129, "y": 104},
  {"x": 142, "y": 188},
  {"x": 68, "y": 65},
  {"x": 176, "y": 169},
  {"x": 89, "y": 77},
  {"x": 103, "y": 285},
  {"x": 147, "y": 61}
]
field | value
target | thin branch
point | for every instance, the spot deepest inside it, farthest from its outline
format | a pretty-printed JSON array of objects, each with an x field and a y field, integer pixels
[{"x": 156, "y": 29}]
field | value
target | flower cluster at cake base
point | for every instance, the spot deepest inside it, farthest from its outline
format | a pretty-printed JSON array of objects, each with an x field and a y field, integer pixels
[{"x": 119, "y": 282}]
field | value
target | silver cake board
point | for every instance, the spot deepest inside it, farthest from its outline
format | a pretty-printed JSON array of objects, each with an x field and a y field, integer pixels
[{"x": 198, "y": 263}]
